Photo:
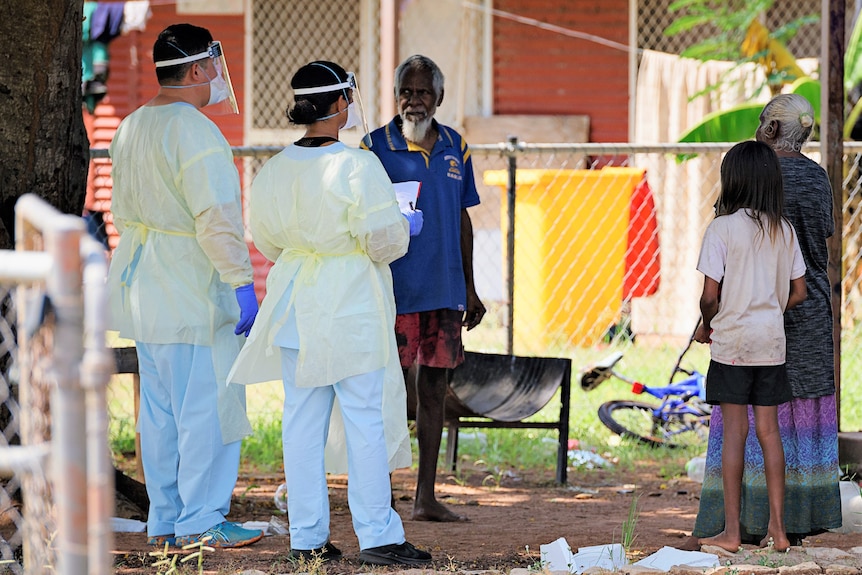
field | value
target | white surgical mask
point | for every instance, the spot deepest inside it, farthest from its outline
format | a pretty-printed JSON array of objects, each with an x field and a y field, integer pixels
[
  {"x": 218, "y": 90},
  {"x": 353, "y": 118}
]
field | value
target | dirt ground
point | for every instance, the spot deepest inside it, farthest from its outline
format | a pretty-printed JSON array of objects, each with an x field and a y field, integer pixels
[{"x": 510, "y": 517}]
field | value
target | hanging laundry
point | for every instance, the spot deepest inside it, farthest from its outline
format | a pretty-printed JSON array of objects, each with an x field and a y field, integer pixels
[
  {"x": 102, "y": 23},
  {"x": 107, "y": 21},
  {"x": 135, "y": 16}
]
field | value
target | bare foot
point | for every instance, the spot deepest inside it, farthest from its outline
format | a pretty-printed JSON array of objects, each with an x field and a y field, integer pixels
[
  {"x": 435, "y": 511},
  {"x": 691, "y": 543},
  {"x": 778, "y": 541},
  {"x": 724, "y": 541}
]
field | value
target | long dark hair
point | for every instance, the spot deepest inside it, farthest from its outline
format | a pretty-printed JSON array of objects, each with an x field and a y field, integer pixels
[{"x": 751, "y": 178}]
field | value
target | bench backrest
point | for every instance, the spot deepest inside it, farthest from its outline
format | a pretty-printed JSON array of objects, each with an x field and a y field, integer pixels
[{"x": 504, "y": 387}]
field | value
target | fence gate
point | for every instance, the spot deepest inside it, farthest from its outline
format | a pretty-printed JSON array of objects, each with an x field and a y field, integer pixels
[{"x": 56, "y": 475}]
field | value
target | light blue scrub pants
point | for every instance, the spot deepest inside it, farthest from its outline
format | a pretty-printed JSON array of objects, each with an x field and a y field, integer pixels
[
  {"x": 190, "y": 474},
  {"x": 305, "y": 425}
]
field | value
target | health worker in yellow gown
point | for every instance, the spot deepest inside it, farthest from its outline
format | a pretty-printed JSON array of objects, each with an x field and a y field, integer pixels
[{"x": 327, "y": 215}]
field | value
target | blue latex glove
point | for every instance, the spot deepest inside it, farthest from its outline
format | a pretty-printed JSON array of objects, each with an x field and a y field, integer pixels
[
  {"x": 247, "y": 308},
  {"x": 415, "y": 219}
]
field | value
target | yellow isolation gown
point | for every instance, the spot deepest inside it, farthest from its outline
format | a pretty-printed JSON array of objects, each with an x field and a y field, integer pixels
[
  {"x": 329, "y": 220},
  {"x": 177, "y": 206}
]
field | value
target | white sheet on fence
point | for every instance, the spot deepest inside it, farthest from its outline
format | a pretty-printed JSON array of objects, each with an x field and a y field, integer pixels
[{"x": 665, "y": 108}]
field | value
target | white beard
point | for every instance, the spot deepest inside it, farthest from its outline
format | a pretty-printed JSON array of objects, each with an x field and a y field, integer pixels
[{"x": 415, "y": 131}]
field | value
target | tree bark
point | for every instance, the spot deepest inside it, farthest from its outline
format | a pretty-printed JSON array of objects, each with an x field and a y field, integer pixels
[{"x": 42, "y": 138}]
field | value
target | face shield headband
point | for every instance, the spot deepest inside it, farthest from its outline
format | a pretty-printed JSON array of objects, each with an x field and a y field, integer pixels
[
  {"x": 222, "y": 97},
  {"x": 349, "y": 84}
]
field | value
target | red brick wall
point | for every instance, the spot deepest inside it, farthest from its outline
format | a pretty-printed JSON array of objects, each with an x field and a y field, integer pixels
[{"x": 538, "y": 71}]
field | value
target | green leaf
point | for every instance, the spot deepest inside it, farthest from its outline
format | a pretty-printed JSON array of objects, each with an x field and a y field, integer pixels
[
  {"x": 789, "y": 30},
  {"x": 852, "y": 119},
  {"x": 693, "y": 4},
  {"x": 853, "y": 58},
  {"x": 809, "y": 89},
  {"x": 686, "y": 23},
  {"x": 733, "y": 125}
]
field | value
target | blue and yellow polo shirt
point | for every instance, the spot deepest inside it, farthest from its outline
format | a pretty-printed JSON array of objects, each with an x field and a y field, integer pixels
[{"x": 430, "y": 276}]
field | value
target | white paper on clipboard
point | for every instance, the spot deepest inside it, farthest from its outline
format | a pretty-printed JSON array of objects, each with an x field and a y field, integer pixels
[{"x": 407, "y": 194}]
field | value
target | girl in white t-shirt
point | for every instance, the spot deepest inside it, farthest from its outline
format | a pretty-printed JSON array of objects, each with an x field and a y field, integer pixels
[{"x": 753, "y": 271}]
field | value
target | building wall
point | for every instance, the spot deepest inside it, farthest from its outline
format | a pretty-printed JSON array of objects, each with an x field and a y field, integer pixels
[
  {"x": 535, "y": 71},
  {"x": 539, "y": 71}
]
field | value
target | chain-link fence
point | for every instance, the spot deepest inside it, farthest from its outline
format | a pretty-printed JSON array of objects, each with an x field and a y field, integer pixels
[
  {"x": 285, "y": 39},
  {"x": 604, "y": 245},
  {"x": 56, "y": 490},
  {"x": 654, "y": 16}
]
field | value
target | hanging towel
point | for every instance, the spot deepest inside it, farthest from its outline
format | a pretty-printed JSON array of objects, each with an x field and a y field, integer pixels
[{"x": 135, "y": 16}]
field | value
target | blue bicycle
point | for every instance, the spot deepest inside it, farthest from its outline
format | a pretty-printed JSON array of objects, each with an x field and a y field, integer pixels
[{"x": 682, "y": 417}]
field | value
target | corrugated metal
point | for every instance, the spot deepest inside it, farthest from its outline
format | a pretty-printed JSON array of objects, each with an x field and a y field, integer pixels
[{"x": 538, "y": 71}]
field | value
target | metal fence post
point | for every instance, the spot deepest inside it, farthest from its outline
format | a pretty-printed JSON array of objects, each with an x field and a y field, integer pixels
[
  {"x": 69, "y": 469},
  {"x": 510, "y": 242},
  {"x": 96, "y": 369},
  {"x": 61, "y": 236}
]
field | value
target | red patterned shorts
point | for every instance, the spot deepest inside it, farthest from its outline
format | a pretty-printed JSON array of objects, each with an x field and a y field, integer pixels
[{"x": 430, "y": 338}]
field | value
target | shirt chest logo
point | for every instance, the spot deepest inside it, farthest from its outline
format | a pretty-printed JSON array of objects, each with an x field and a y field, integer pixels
[{"x": 454, "y": 170}]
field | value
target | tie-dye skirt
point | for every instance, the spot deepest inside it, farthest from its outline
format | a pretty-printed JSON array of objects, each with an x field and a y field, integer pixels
[{"x": 812, "y": 502}]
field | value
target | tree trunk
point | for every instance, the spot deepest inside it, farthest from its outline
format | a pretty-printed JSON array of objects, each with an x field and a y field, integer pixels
[{"x": 43, "y": 143}]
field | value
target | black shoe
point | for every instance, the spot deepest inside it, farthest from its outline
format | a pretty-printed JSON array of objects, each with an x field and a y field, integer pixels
[
  {"x": 328, "y": 552},
  {"x": 403, "y": 554}
]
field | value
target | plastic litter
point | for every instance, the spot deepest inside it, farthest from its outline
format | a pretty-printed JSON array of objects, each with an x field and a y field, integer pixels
[
  {"x": 281, "y": 498},
  {"x": 123, "y": 525},
  {"x": 695, "y": 468},
  {"x": 257, "y": 525},
  {"x": 851, "y": 508},
  {"x": 587, "y": 459},
  {"x": 277, "y": 526}
]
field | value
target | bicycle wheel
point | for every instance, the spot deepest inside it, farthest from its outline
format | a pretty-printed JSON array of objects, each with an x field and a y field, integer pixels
[{"x": 636, "y": 420}]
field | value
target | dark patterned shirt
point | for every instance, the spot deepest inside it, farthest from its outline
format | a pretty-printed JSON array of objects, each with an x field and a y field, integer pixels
[{"x": 808, "y": 205}]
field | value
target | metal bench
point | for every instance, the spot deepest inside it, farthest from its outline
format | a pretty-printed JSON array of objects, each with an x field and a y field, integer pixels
[
  {"x": 501, "y": 391},
  {"x": 486, "y": 391}
]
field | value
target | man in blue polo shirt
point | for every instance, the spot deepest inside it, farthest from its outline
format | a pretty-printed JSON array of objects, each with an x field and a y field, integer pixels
[{"x": 434, "y": 291}]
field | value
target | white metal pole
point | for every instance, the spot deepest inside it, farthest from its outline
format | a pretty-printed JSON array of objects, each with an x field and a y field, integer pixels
[
  {"x": 96, "y": 369},
  {"x": 68, "y": 436},
  {"x": 388, "y": 58},
  {"x": 62, "y": 239}
]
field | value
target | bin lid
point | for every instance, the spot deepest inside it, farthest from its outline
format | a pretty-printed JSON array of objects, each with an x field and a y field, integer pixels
[{"x": 533, "y": 176}]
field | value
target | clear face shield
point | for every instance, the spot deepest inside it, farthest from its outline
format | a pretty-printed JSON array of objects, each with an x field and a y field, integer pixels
[
  {"x": 355, "y": 110},
  {"x": 222, "y": 98}
]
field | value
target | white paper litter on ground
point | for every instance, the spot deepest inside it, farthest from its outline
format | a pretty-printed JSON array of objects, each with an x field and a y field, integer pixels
[
  {"x": 558, "y": 556},
  {"x": 123, "y": 525},
  {"x": 667, "y": 557},
  {"x": 610, "y": 557},
  {"x": 262, "y": 525},
  {"x": 587, "y": 459}
]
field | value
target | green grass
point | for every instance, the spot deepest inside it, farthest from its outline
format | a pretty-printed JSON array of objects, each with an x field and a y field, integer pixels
[
  {"x": 262, "y": 451},
  {"x": 851, "y": 379},
  {"x": 498, "y": 450}
]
